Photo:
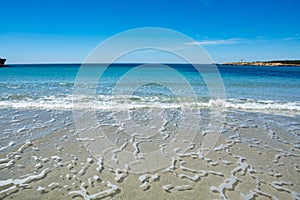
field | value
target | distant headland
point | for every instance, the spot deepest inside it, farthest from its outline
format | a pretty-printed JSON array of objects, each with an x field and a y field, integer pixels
[
  {"x": 267, "y": 63},
  {"x": 2, "y": 61}
]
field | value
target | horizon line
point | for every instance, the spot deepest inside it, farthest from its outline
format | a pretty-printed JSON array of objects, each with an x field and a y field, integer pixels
[{"x": 137, "y": 63}]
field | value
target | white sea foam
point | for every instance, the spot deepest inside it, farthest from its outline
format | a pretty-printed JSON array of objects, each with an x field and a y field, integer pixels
[
  {"x": 109, "y": 102},
  {"x": 249, "y": 104},
  {"x": 11, "y": 143}
]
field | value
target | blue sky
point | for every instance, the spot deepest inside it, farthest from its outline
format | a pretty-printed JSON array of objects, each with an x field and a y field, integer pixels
[{"x": 47, "y": 31}]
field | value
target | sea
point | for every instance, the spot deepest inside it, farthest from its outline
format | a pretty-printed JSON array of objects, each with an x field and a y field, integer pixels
[
  {"x": 154, "y": 120},
  {"x": 50, "y": 86}
]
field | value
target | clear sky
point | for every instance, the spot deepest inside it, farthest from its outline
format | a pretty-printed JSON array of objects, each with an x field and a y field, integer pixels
[{"x": 36, "y": 31}]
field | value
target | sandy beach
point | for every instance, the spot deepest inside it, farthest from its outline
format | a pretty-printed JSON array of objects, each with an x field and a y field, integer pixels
[{"x": 256, "y": 157}]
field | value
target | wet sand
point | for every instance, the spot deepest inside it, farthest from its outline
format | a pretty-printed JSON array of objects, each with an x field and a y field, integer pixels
[{"x": 256, "y": 156}]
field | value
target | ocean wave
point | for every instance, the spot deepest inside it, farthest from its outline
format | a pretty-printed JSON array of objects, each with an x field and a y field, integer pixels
[
  {"x": 115, "y": 102},
  {"x": 250, "y": 104}
]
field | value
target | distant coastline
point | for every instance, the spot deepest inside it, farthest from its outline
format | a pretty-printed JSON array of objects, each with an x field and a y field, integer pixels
[
  {"x": 2, "y": 61},
  {"x": 267, "y": 63}
]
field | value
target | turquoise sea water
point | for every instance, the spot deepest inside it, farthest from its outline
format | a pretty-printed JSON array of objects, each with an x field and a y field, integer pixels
[{"x": 246, "y": 87}]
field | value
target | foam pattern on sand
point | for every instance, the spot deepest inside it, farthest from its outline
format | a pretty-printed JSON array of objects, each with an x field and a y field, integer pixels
[{"x": 256, "y": 157}]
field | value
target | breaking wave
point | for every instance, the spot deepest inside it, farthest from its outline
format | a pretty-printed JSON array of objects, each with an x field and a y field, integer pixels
[{"x": 106, "y": 102}]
